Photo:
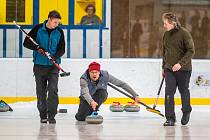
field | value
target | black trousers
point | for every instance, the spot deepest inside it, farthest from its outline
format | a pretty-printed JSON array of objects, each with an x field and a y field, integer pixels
[
  {"x": 173, "y": 80},
  {"x": 46, "y": 90},
  {"x": 85, "y": 109}
]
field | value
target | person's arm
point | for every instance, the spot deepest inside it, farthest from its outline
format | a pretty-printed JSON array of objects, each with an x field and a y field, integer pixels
[
  {"x": 163, "y": 60},
  {"x": 61, "y": 46},
  {"x": 85, "y": 94},
  {"x": 163, "y": 54},
  {"x": 189, "y": 44},
  {"x": 33, "y": 33},
  {"x": 82, "y": 22},
  {"x": 85, "y": 91},
  {"x": 123, "y": 85},
  {"x": 98, "y": 20}
]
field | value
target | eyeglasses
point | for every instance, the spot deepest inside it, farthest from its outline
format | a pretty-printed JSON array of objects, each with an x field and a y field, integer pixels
[{"x": 90, "y": 9}]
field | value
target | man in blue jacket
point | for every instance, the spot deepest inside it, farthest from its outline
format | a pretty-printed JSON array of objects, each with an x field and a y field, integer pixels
[
  {"x": 93, "y": 85},
  {"x": 50, "y": 38}
]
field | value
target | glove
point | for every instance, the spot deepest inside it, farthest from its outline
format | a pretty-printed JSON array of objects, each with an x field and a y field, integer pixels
[
  {"x": 40, "y": 50},
  {"x": 163, "y": 73}
]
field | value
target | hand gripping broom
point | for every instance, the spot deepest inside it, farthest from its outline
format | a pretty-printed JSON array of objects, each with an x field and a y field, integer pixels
[{"x": 64, "y": 73}]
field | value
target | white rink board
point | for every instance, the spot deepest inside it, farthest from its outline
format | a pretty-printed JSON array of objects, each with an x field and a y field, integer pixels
[
  {"x": 1, "y": 43},
  {"x": 144, "y": 75}
]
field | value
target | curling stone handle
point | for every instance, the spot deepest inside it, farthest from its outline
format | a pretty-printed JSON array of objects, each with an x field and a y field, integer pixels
[{"x": 94, "y": 113}]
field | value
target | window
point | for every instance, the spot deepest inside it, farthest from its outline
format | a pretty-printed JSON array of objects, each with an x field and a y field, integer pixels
[
  {"x": 137, "y": 28},
  {"x": 80, "y": 12},
  {"x": 19, "y": 10},
  {"x": 15, "y": 10}
]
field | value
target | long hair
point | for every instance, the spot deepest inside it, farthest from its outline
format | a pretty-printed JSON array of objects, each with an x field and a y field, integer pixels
[{"x": 172, "y": 19}]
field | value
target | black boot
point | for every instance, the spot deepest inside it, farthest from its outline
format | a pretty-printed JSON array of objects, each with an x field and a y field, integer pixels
[
  {"x": 43, "y": 120},
  {"x": 185, "y": 118},
  {"x": 52, "y": 120},
  {"x": 169, "y": 122}
]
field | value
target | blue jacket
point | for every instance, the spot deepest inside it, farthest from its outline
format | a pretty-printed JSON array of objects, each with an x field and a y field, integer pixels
[
  {"x": 48, "y": 43},
  {"x": 53, "y": 44}
]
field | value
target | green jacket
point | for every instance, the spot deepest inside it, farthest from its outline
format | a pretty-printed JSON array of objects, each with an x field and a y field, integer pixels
[{"x": 178, "y": 47}]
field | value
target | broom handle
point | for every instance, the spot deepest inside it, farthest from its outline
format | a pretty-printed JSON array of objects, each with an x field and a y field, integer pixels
[
  {"x": 37, "y": 45},
  {"x": 147, "y": 107},
  {"x": 156, "y": 100},
  {"x": 114, "y": 87}
]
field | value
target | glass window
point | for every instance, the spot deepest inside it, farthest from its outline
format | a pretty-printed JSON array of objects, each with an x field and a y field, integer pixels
[
  {"x": 88, "y": 12},
  {"x": 19, "y": 10},
  {"x": 137, "y": 27},
  {"x": 15, "y": 10}
]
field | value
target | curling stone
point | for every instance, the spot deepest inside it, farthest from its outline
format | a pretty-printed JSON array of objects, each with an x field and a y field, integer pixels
[
  {"x": 62, "y": 111},
  {"x": 94, "y": 118},
  {"x": 132, "y": 107},
  {"x": 3, "y": 107},
  {"x": 116, "y": 107}
]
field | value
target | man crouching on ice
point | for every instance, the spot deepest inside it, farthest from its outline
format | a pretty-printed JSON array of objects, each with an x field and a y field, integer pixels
[{"x": 93, "y": 85}]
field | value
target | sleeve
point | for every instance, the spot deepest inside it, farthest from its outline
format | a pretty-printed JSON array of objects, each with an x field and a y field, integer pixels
[
  {"x": 189, "y": 45},
  {"x": 85, "y": 91},
  {"x": 163, "y": 55},
  {"x": 61, "y": 46},
  {"x": 98, "y": 20},
  {"x": 27, "y": 42},
  {"x": 123, "y": 85},
  {"x": 82, "y": 20}
]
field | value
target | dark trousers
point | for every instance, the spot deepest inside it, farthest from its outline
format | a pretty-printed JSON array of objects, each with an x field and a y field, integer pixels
[
  {"x": 46, "y": 90},
  {"x": 85, "y": 109},
  {"x": 173, "y": 80}
]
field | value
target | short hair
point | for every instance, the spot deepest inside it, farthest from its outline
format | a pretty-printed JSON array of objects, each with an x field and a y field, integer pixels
[
  {"x": 54, "y": 14},
  {"x": 90, "y": 5},
  {"x": 172, "y": 19}
]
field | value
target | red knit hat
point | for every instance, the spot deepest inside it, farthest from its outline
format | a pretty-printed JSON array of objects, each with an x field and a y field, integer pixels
[{"x": 94, "y": 66}]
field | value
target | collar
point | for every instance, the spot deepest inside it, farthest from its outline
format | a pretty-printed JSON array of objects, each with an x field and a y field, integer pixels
[{"x": 44, "y": 25}]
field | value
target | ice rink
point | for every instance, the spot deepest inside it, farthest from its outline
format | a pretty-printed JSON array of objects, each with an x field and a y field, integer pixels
[{"x": 24, "y": 124}]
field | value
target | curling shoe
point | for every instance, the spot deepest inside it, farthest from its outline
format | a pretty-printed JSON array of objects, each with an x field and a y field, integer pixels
[
  {"x": 43, "y": 121},
  {"x": 185, "y": 118},
  {"x": 52, "y": 121},
  {"x": 169, "y": 122}
]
